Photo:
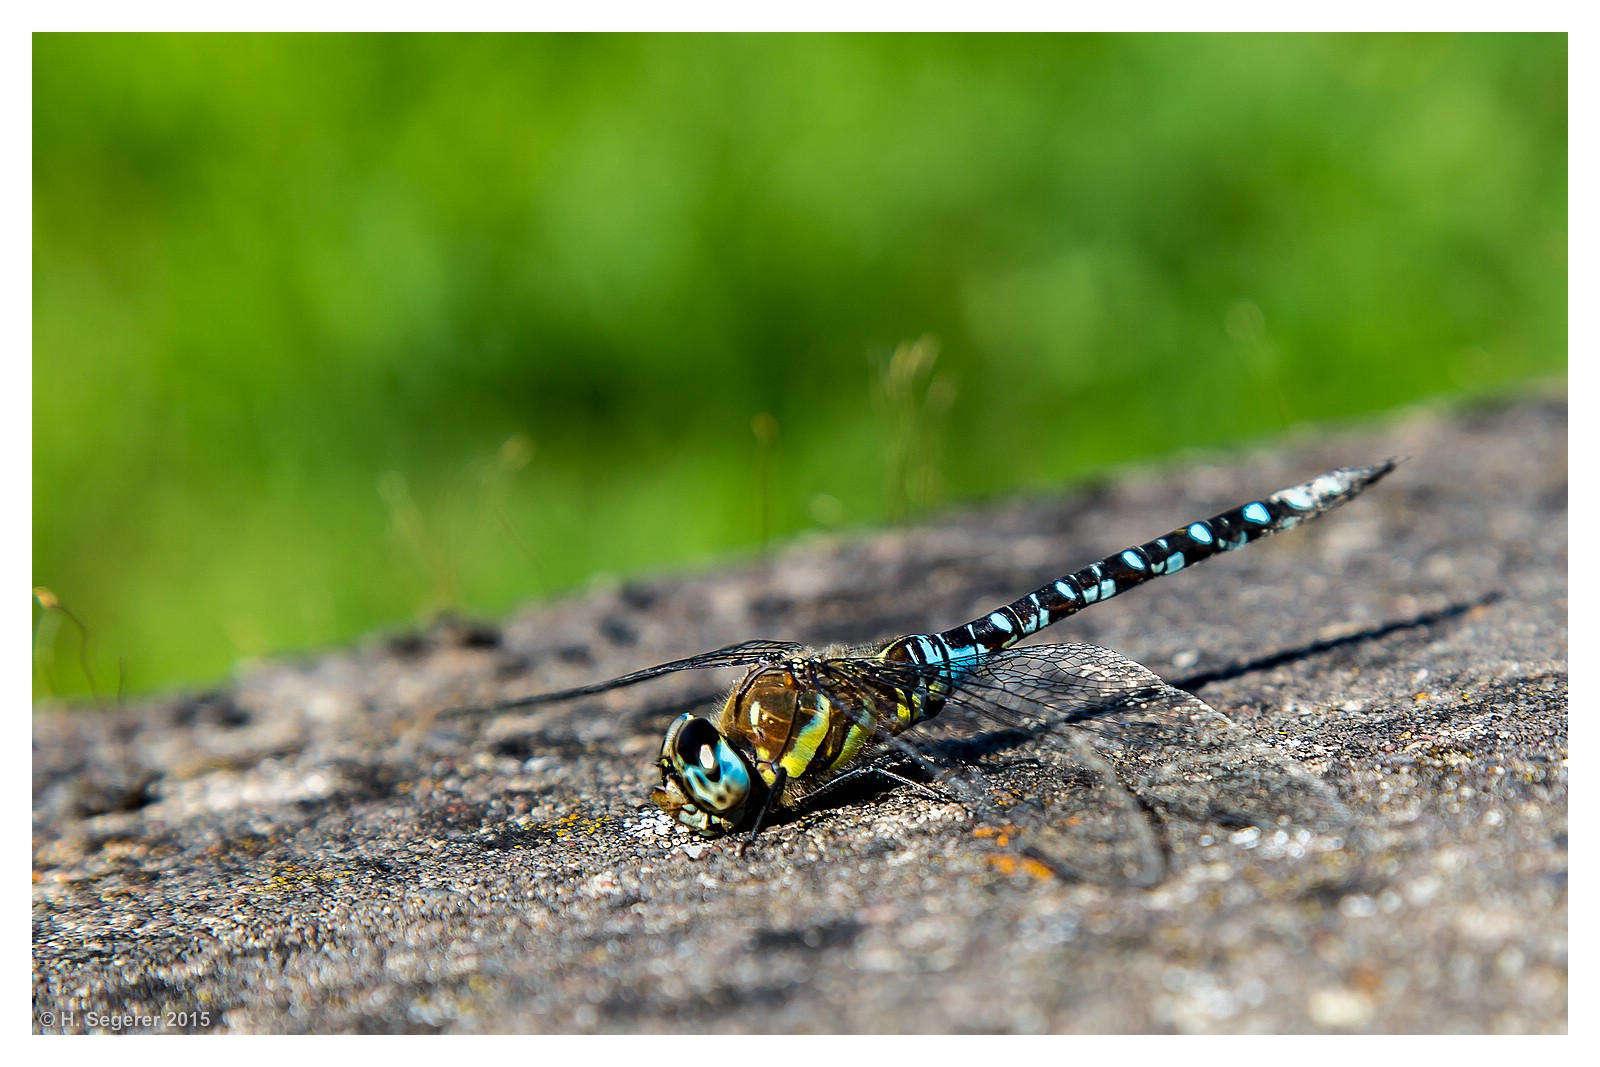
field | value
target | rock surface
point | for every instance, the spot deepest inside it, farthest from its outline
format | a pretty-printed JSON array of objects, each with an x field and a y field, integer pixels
[{"x": 320, "y": 847}]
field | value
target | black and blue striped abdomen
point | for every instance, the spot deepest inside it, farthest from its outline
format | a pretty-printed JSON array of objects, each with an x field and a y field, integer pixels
[{"x": 957, "y": 651}]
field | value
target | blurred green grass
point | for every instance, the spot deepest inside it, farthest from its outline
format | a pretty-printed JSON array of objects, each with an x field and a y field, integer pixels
[{"x": 335, "y": 332}]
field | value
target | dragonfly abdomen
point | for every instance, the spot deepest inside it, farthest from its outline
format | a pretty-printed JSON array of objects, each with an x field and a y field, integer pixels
[{"x": 961, "y": 649}]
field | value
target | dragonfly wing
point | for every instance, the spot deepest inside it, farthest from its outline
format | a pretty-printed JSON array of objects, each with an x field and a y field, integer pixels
[
  {"x": 1072, "y": 813},
  {"x": 1061, "y": 803},
  {"x": 744, "y": 654},
  {"x": 1177, "y": 752},
  {"x": 1063, "y": 806},
  {"x": 1197, "y": 761}
]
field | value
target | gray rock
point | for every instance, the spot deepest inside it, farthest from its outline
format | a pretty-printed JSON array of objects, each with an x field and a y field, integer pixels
[{"x": 322, "y": 847}]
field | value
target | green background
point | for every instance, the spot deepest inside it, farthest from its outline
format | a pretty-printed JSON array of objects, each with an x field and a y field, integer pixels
[{"x": 334, "y": 333}]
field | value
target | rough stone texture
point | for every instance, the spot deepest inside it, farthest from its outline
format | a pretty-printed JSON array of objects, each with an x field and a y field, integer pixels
[{"x": 318, "y": 848}]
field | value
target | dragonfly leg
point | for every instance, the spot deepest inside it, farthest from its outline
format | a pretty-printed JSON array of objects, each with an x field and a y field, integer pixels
[
  {"x": 780, "y": 777},
  {"x": 921, "y": 787},
  {"x": 877, "y": 770},
  {"x": 883, "y": 772}
]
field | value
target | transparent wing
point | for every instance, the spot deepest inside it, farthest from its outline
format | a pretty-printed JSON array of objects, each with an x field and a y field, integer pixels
[
  {"x": 1172, "y": 748},
  {"x": 1077, "y": 741},
  {"x": 744, "y": 654},
  {"x": 1060, "y": 800},
  {"x": 1062, "y": 803}
]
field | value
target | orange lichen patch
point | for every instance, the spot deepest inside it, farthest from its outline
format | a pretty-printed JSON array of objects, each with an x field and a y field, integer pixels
[
  {"x": 1009, "y": 864},
  {"x": 1366, "y": 979}
]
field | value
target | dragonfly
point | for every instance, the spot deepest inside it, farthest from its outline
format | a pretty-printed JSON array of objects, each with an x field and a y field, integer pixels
[{"x": 1103, "y": 738}]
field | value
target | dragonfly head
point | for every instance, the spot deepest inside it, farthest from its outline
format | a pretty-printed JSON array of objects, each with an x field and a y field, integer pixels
[{"x": 706, "y": 783}]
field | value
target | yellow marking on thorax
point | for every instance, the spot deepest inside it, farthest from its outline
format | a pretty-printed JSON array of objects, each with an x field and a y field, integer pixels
[
  {"x": 798, "y": 759},
  {"x": 854, "y": 738}
]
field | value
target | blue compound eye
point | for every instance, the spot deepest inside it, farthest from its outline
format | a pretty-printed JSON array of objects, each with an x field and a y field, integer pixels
[
  {"x": 696, "y": 746},
  {"x": 711, "y": 772}
]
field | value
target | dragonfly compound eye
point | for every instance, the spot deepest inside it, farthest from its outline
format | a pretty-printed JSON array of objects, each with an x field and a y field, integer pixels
[{"x": 709, "y": 778}]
